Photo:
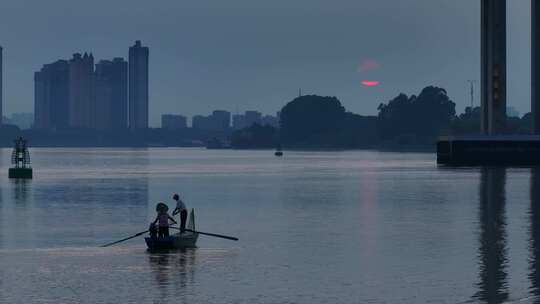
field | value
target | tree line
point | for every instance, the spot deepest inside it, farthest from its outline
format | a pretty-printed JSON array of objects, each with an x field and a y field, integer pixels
[{"x": 321, "y": 122}]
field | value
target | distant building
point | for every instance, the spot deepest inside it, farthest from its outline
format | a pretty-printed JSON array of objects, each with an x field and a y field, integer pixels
[
  {"x": 246, "y": 120},
  {"x": 51, "y": 96},
  {"x": 74, "y": 94},
  {"x": 199, "y": 122},
  {"x": 138, "y": 86},
  {"x": 270, "y": 120},
  {"x": 173, "y": 122},
  {"x": 252, "y": 117},
  {"x": 1, "y": 85},
  {"x": 219, "y": 120},
  {"x": 22, "y": 120},
  {"x": 237, "y": 121},
  {"x": 82, "y": 110},
  {"x": 111, "y": 94}
]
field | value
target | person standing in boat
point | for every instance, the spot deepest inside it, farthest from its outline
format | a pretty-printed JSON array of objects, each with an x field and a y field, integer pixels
[
  {"x": 180, "y": 208},
  {"x": 162, "y": 219}
]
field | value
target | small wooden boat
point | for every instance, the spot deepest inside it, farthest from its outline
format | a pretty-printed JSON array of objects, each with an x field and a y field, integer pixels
[{"x": 175, "y": 241}]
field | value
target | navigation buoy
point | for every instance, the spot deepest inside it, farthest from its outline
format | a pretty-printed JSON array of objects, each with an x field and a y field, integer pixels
[{"x": 20, "y": 158}]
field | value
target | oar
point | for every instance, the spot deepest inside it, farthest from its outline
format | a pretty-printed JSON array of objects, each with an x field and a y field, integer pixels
[
  {"x": 210, "y": 234},
  {"x": 128, "y": 238}
]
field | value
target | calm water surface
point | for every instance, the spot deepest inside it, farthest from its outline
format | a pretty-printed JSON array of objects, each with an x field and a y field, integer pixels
[{"x": 314, "y": 227}]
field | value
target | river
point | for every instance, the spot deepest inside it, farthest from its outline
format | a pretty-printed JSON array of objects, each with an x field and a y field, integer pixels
[{"x": 314, "y": 227}]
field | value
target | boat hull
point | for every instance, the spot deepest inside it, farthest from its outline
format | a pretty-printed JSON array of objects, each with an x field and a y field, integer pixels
[{"x": 177, "y": 241}]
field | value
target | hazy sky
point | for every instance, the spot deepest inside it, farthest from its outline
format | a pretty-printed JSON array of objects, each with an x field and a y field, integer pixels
[{"x": 250, "y": 54}]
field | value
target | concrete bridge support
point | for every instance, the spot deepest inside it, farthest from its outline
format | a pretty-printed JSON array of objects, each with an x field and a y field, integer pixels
[{"x": 493, "y": 83}]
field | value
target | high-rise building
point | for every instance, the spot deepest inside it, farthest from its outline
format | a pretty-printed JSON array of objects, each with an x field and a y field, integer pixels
[
  {"x": 51, "y": 96},
  {"x": 138, "y": 86},
  {"x": 221, "y": 119},
  {"x": 72, "y": 94},
  {"x": 252, "y": 117},
  {"x": 199, "y": 122},
  {"x": 173, "y": 122},
  {"x": 82, "y": 110},
  {"x": 111, "y": 94},
  {"x": 238, "y": 121}
]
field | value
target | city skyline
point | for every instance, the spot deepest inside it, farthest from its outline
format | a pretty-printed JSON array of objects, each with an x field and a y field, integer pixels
[
  {"x": 193, "y": 71},
  {"x": 21, "y": 118},
  {"x": 114, "y": 95},
  {"x": 77, "y": 93}
]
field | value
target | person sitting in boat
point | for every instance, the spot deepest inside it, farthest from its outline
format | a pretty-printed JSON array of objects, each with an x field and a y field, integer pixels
[
  {"x": 162, "y": 219},
  {"x": 153, "y": 230},
  {"x": 180, "y": 208}
]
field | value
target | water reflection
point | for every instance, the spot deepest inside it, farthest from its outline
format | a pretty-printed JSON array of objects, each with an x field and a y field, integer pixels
[
  {"x": 492, "y": 251},
  {"x": 21, "y": 190},
  {"x": 534, "y": 234},
  {"x": 173, "y": 271}
]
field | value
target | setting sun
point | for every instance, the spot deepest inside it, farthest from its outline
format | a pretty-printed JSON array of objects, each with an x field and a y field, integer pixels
[{"x": 370, "y": 83}]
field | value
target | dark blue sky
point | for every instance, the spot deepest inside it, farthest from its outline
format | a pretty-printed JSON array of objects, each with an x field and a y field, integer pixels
[{"x": 249, "y": 54}]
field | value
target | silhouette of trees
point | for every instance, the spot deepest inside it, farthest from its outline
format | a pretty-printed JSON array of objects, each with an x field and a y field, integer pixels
[
  {"x": 424, "y": 116},
  {"x": 255, "y": 137},
  {"x": 467, "y": 123},
  {"x": 310, "y": 120},
  {"x": 527, "y": 122},
  {"x": 313, "y": 121},
  {"x": 357, "y": 131}
]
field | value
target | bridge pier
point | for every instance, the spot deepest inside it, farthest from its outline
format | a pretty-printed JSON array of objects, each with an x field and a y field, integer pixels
[
  {"x": 493, "y": 65},
  {"x": 492, "y": 148},
  {"x": 535, "y": 65}
]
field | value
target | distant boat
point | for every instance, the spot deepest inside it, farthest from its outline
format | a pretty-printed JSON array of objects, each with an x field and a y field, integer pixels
[
  {"x": 175, "y": 241},
  {"x": 278, "y": 152}
]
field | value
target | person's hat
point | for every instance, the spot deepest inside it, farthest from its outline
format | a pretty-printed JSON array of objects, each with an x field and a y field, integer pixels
[{"x": 161, "y": 207}]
